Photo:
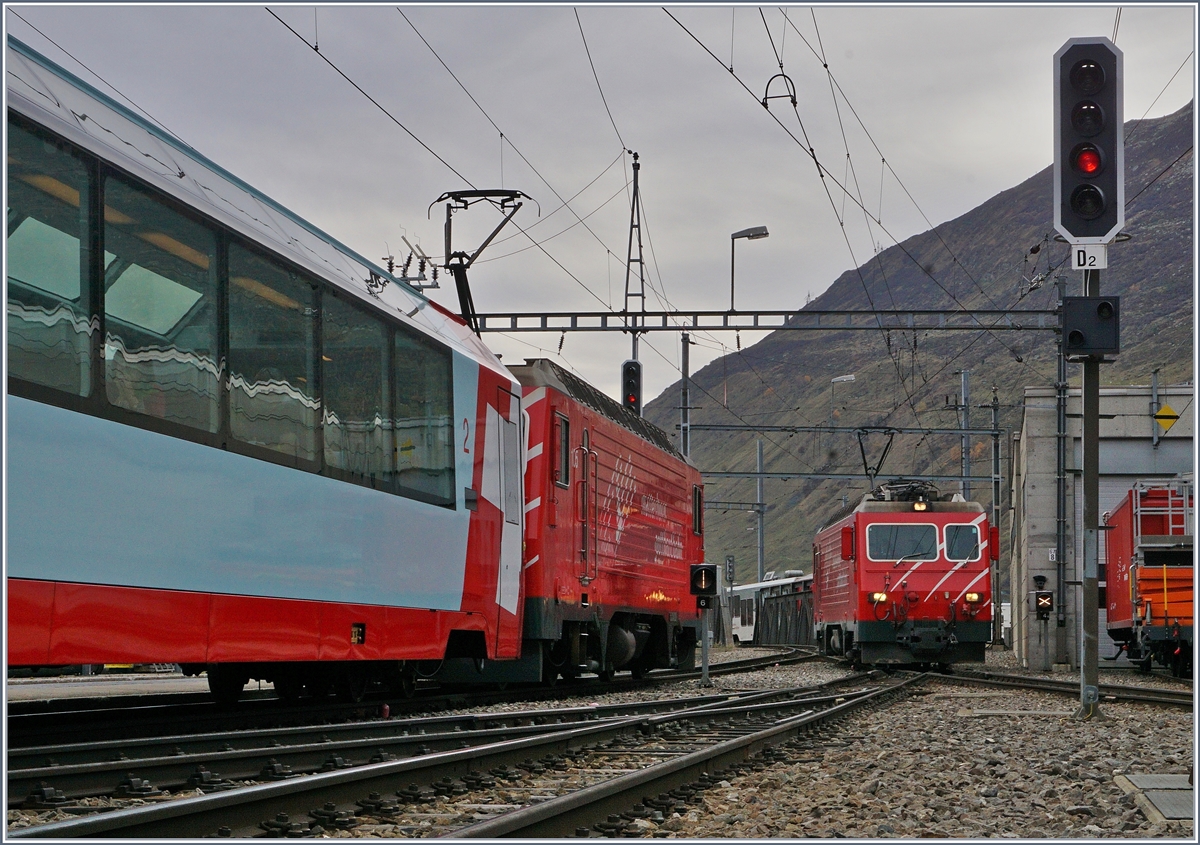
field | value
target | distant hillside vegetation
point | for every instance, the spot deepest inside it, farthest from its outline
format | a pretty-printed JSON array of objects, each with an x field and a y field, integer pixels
[{"x": 983, "y": 259}]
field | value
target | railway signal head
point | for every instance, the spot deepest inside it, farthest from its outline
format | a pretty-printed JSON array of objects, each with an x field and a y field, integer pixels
[
  {"x": 631, "y": 386},
  {"x": 1089, "y": 141},
  {"x": 1043, "y": 603},
  {"x": 1091, "y": 326},
  {"x": 703, "y": 579}
]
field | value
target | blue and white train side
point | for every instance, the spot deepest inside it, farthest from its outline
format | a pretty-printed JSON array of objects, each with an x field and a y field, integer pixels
[{"x": 227, "y": 447}]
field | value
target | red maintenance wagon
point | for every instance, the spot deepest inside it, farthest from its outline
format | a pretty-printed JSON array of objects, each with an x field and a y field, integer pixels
[
  {"x": 904, "y": 578},
  {"x": 1149, "y": 573}
]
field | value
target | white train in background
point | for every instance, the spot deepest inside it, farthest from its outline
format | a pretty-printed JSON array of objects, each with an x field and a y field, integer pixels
[{"x": 775, "y": 611}]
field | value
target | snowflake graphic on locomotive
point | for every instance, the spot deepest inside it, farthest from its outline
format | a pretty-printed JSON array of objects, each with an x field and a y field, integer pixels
[
  {"x": 237, "y": 445},
  {"x": 903, "y": 579}
]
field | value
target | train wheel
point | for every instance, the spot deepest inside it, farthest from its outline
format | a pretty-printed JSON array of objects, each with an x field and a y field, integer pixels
[
  {"x": 405, "y": 684},
  {"x": 225, "y": 683}
]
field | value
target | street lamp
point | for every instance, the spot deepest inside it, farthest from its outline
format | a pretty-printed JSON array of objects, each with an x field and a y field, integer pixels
[
  {"x": 751, "y": 234},
  {"x": 832, "y": 382}
]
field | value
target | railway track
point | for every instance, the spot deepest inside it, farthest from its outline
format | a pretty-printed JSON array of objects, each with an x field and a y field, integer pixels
[
  {"x": 1108, "y": 692},
  {"x": 39, "y": 723},
  {"x": 50, "y": 775},
  {"x": 548, "y": 783}
]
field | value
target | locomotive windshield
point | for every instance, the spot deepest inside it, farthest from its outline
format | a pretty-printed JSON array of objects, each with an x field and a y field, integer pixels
[
  {"x": 962, "y": 542},
  {"x": 907, "y": 541}
]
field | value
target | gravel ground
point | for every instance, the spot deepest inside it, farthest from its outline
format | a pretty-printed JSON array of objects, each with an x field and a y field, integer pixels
[{"x": 929, "y": 767}]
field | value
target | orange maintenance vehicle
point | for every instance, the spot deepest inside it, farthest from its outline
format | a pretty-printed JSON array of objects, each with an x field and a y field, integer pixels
[{"x": 1149, "y": 569}]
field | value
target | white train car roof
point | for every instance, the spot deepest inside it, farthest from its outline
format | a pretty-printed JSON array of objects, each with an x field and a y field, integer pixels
[{"x": 53, "y": 97}]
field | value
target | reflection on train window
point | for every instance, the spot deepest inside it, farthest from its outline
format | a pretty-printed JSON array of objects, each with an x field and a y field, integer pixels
[
  {"x": 422, "y": 419},
  {"x": 160, "y": 310},
  {"x": 355, "y": 375},
  {"x": 272, "y": 356},
  {"x": 962, "y": 542},
  {"x": 904, "y": 541},
  {"x": 49, "y": 326}
]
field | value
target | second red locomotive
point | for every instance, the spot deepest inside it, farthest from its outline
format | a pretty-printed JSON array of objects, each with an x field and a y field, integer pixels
[{"x": 904, "y": 578}]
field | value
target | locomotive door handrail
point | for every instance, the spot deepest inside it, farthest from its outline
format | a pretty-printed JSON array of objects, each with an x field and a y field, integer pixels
[{"x": 588, "y": 505}]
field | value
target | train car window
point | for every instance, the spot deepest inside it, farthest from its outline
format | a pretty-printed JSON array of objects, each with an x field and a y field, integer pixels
[
  {"x": 908, "y": 541},
  {"x": 962, "y": 542},
  {"x": 49, "y": 326},
  {"x": 423, "y": 420},
  {"x": 272, "y": 356},
  {"x": 354, "y": 383},
  {"x": 160, "y": 309},
  {"x": 562, "y": 459},
  {"x": 697, "y": 509}
]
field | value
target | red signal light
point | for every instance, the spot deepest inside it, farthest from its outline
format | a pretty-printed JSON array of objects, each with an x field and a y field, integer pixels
[{"x": 1086, "y": 160}]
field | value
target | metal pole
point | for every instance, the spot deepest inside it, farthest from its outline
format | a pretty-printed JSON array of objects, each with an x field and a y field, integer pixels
[
  {"x": 997, "y": 622},
  {"x": 1154, "y": 408},
  {"x": 732, "y": 244},
  {"x": 1060, "y": 531},
  {"x": 761, "y": 510},
  {"x": 684, "y": 415},
  {"x": 704, "y": 681},
  {"x": 1089, "y": 675},
  {"x": 966, "y": 441}
]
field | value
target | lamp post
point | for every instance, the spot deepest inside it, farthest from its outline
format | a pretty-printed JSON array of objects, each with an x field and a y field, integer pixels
[
  {"x": 751, "y": 234},
  {"x": 832, "y": 382}
]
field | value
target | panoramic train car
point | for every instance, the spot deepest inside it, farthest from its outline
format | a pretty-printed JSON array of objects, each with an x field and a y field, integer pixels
[
  {"x": 233, "y": 443},
  {"x": 904, "y": 578},
  {"x": 777, "y": 611},
  {"x": 1149, "y": 570},
  {"x": 613, "y": 523}
]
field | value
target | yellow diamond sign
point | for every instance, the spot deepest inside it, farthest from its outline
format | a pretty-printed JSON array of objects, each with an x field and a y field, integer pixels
[{"x": 1166, "y": 417}]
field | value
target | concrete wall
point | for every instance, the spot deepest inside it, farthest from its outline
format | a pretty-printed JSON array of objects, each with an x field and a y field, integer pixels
[{"x": 1127, "y": 454}]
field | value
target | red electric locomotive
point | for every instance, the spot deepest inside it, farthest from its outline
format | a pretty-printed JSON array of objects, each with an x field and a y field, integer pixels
[
  {"x": 613, "y": 521},
  {"x": 612, "y": 525},
  {"x": 904, "y": 578}
]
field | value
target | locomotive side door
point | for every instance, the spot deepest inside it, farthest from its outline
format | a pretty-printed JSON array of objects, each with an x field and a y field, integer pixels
[{"x": 508, "y": 441}]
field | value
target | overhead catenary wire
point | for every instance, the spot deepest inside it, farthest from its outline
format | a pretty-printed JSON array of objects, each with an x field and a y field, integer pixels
[
  {"x": 107, "y": 84},
  {"x": 375, "y": 102}
]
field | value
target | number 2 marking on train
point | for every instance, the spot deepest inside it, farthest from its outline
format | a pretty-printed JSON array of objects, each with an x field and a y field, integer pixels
[{"x": 466, "y": 435}]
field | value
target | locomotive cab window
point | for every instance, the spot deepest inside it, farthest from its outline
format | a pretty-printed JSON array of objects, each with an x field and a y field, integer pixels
[
  {"x": 562, "y": 456},
  {"x": 906, "y": 541},
  {"x": 697, "y": 510},
  {"x": 962, "y": 542}
]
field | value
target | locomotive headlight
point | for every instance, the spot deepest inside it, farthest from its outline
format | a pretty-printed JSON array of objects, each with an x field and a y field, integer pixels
[
  {"x": 920, "y": 505},
  {"x": 973, "y": 598},
  {"x": 878, "y": 598}
]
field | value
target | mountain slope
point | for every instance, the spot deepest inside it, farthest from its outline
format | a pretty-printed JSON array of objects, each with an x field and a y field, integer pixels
[{"x": 986, "y": 258}]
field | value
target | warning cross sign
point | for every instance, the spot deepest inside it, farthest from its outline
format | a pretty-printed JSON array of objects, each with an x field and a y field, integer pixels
[{"x": 1166, "y": 417}]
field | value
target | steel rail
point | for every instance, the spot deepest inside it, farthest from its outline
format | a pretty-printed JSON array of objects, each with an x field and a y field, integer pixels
[
  {"x": 129, "y": 717},
  {"x": 89, "y": 769},
  {"x": 242, "y": 810},
  {"x": 1109, "y": 692},
  {"x": 568, "y": 814}
]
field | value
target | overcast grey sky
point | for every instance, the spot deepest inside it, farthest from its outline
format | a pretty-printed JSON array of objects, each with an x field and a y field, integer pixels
[{"x": 958, "y": 101}]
